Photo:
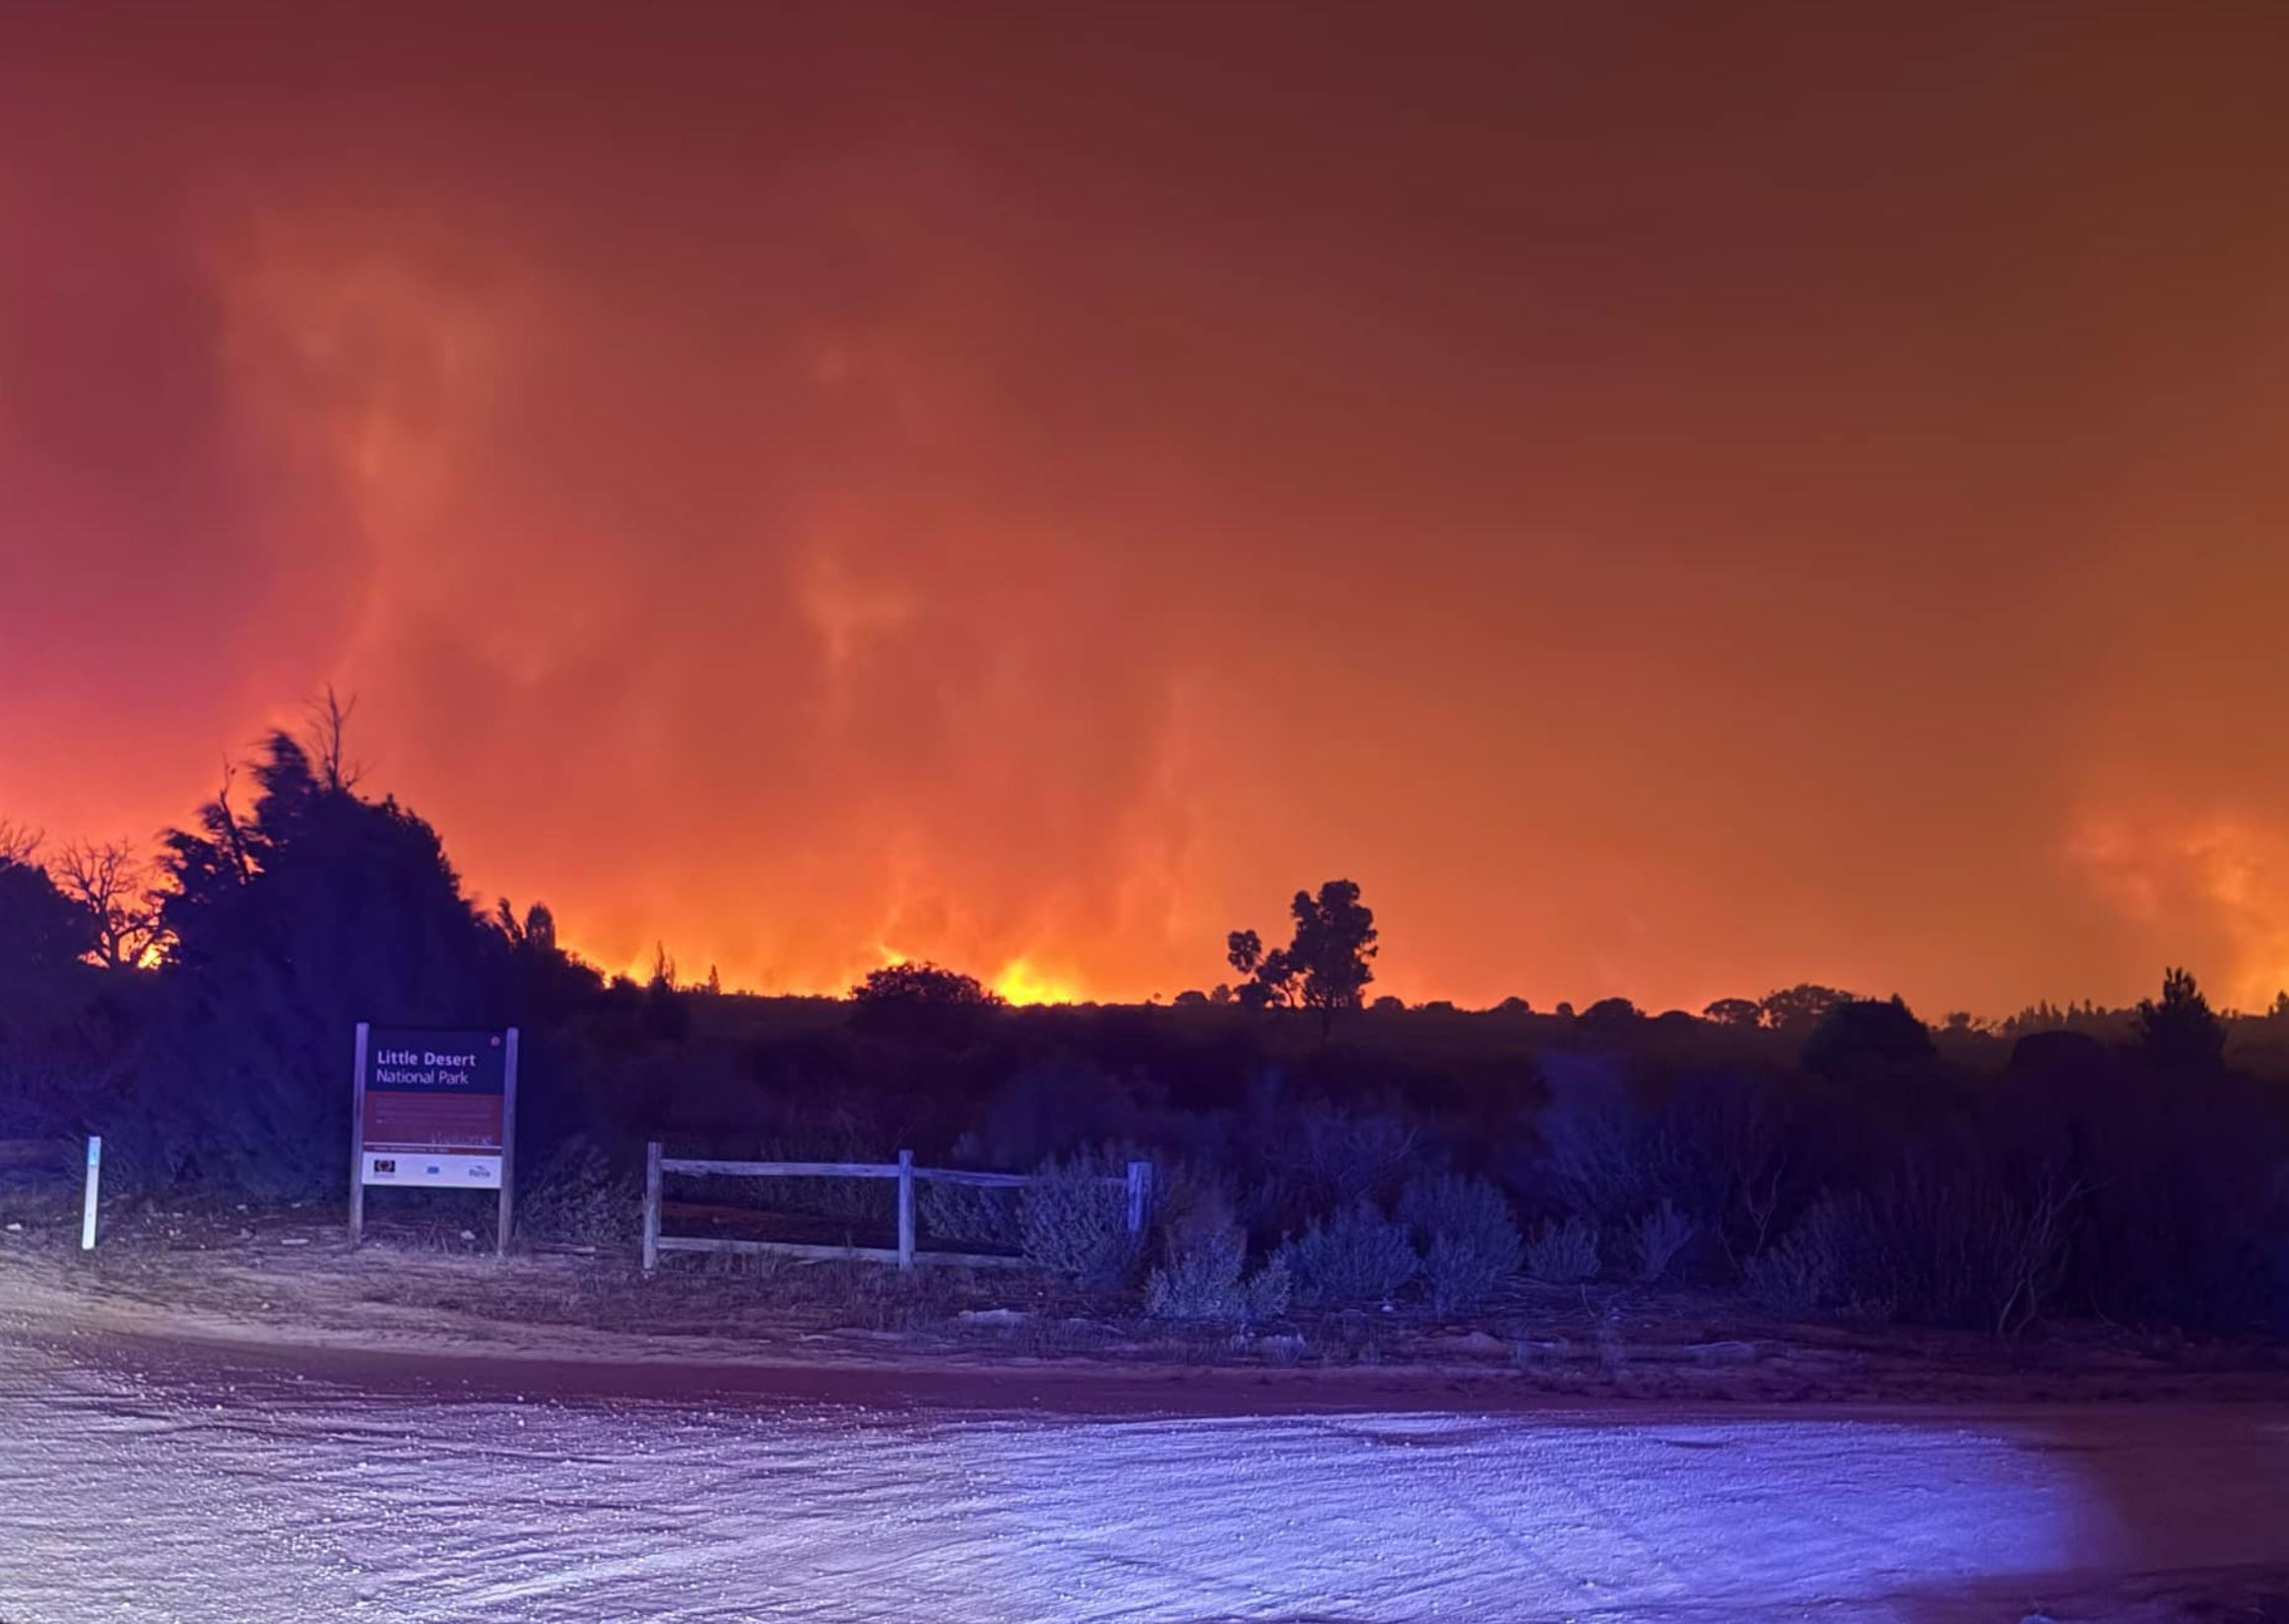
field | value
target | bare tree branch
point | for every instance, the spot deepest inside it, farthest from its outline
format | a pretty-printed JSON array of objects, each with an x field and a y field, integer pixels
[
  {"x": 114, "y": 883},
  {"x": 329, "y": 726},
  {"x": 19, "y": 842},
  {"x": 223, "y": 824}
]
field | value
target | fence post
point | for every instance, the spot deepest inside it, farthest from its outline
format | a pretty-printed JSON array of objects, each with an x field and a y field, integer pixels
[
  {"x": 651, "y": 1207},
  {"x": 87, "y": 1202},
  {"x": 905, "y": 1209},
  {"x": 1140, "y": 1195}
]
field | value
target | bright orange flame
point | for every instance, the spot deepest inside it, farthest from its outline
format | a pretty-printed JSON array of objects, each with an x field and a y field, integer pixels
[{"x": 1022, "y": 983}]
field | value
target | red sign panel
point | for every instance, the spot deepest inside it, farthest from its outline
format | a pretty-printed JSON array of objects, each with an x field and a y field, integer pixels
[{"x": 435, "y": 1109}]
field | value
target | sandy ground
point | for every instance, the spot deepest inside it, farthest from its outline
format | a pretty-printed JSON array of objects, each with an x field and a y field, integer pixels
[
  {"x": 283, "y": 1431},
  {"x": 159, "y": 1481}
]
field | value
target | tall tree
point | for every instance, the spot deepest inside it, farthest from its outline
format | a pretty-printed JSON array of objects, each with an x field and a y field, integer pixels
[
  {"x": 2180, "y": 1033},
  {"x": 1267, "y": 978},
  {"x": 1335, "y": 938},
  {"x": 42, "y": 931},
  {"x": 290, "y": 922},
  {"x": 1325, "y": 967},
  {"x": 1800, "y": 1006}
]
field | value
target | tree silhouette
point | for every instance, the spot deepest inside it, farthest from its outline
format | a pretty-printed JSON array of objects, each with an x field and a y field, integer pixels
[
  {"x": 1324, "y": 969},
  {"x": 542, "y": 982},
  {"x": 917, "y": 981},
  {"x": 2180, "y": 1033},
  {"x": 1735, "y": 1012},
  {"x": 116, "y": 887},
  {"x": 18, "y": 843},
  {"x": 922, "y": 1001},
  {"x": 289, "y": 923},
  {"x": 1244, "y": 951},
  {"x": 1801, "y": 1006},
  {"x": 1854, "y": 1034},
  {"x": 1611, "y": 1014},
  {"x": 42, "y": 931},
  {"x": 1267, "y": 978},
  {"x": 1335, "y": 937}
]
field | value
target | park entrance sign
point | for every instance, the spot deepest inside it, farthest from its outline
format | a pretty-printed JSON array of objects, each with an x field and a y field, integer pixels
[{"x": 434, "y": 1109}]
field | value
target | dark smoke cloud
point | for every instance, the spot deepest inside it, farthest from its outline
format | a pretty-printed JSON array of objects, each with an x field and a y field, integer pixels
[{"x": 1670, "y": 508}]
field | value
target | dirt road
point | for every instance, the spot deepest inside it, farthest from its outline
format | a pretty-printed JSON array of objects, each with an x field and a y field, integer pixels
[{"x": 142, "y": 1482}]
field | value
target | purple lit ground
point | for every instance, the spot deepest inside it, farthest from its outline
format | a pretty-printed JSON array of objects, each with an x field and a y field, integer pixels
[{"x": 207, "y": 1489}]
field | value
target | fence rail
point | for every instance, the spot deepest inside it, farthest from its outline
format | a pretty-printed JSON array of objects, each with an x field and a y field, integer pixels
[{"x": 1137, "y": 1182}]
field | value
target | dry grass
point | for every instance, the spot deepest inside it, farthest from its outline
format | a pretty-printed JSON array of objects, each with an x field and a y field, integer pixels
[{"x": 285, "y": 1273}]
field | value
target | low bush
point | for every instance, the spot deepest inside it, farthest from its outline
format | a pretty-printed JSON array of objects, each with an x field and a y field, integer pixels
[
  {"x": 1200, "y": 1280},
  {"x": 1564, "y": 1252},
  {"x": 575, "y": 1199},
  {"x": 1467, "y": 1238},
  {"x": 1270, "y": 1288},
  {"x": 1944, "y": 1237},
  {"x": 1828, "y": 1263},
  {"x": 971, "y": 1216},
  {"x": 1073, "y": 1220},
  {"x": 1356, "y": 1255},
  {"x": 1658, "y": 1239}
]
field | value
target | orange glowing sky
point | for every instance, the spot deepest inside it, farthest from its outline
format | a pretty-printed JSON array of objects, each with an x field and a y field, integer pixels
[{"x": 1672, "y": 500}]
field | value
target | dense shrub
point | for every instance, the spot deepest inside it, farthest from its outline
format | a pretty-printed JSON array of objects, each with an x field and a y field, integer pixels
[
  {"x": 1270, "y": 1287},
  {"x": 1595, "y": 1156},
  {"x": 1563, "y": 1251},
  {"x": 1073, "y": 1220},
  {"x": 1826, "y": 1264},
  {"x": 1466, "y": 1236},
  {"x": 1943, "y": 1238},
  {"x": 1337, "y": 1157},
  {"x": 578, "y": 1199},
  {"x": 1356, "y": 1255},
  {"x": 970, "y": 1216},
  {"x": 1200, "y": 1278}
]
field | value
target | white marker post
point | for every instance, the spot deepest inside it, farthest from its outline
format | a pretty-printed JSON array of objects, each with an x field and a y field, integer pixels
[{"x": 87, "y": 1205}]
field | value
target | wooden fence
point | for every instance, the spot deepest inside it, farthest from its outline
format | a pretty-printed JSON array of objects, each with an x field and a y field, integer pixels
[{"x": 1137, "y": 1182}]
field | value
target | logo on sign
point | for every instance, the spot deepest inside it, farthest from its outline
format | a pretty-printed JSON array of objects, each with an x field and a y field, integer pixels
[{"x": 384, "y": 1166}]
